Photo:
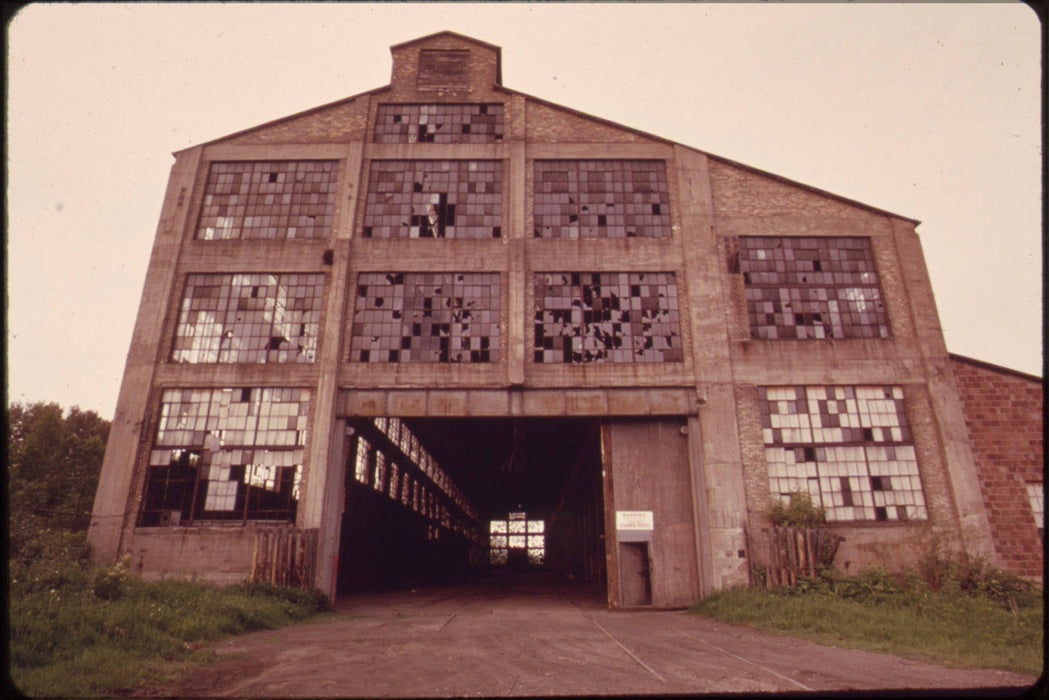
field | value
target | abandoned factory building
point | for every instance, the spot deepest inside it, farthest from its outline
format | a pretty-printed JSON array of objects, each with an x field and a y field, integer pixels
[{"x": 443, "y": 329}]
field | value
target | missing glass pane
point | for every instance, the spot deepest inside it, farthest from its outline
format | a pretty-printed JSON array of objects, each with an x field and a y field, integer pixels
[
  {"x": 439, "y": 123},
  {"x": 225, "y": 454},
  {"x": 426, "y": 317},
  {"x": 606, "y": 317},
  {"x": 850, "y": 448},
  {"x": 274, "y": 199},
  {"x": 434, "y": 199},
  {"x": 601, "y": 199},
  {"x": 824, "y": 287},
  {"x": 249, "y": 318}
]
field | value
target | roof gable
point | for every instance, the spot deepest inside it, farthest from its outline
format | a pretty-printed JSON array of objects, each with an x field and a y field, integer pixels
[{"x": 463, "y": 61}]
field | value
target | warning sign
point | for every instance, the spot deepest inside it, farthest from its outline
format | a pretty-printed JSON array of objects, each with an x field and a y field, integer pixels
[{"x": 634, "y": 520}]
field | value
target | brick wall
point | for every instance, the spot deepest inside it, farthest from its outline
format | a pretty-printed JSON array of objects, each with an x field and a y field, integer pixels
[{"x": 1003, "y": 411}]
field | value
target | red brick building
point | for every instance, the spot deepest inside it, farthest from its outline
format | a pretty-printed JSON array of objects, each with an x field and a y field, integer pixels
[{"x": 1003, "y": 411}]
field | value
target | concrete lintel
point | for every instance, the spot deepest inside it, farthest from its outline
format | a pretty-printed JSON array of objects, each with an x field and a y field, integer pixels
[{"x": 641, "y": 401}]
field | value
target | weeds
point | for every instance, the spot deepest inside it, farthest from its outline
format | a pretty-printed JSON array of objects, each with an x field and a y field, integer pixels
[
  {"x": 78, "y": 631},
  {"x": 951, "y": 607}
]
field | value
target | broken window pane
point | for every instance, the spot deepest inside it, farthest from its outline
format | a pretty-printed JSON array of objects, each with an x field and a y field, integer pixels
[
  {"x": 249, "y": 318},
  {"x": 607, "y": 317},
  {"x": 426, "y": 317},
  {"x": 434, "y": 199},
  {"x": 824, "y": 287},
  {"x": 439, "y": 123},
  {"x": 601, "y": 199},
  {"x": 222, "y": 454},
  {"x": 850, "y": 448},
  {"x": 272, "y": 199}
]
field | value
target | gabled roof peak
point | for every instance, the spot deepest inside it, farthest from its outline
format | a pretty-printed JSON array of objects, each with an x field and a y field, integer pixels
[
  {"x": 444, "y": 36},
  {"x": 446, "y": 33}
]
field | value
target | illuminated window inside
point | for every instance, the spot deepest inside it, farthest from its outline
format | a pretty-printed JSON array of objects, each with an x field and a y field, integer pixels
[
  {"x": 849, "y": 448},
  {"x": 226, "y": 454},
  {"x": 388, "y": 458},
  {"x": 606, "y": 317},
  {"x": 439, "y": 123},
  {"x": 249, "y": 318},
  {"x": 426, "y": 317},
  {"x": 434, "y": 199},
  {"x": 1036, "y": 497},
  {"x": 517, "y": 538},
  {"x": 272, "y": 199},
  {"x": 812, "y": 288},
  {"x": 601, "y": 199}
]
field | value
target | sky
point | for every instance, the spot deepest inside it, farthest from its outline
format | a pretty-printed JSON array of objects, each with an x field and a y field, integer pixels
[{"x": 930, "y": 111}]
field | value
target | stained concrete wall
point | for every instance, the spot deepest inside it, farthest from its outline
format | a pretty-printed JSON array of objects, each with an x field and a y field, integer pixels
[{"x": 218, "y": 554}]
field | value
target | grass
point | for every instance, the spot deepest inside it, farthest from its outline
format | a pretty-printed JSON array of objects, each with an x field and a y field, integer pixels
[
  {"x": 902, "y": 616},
  {"x": 77, "y": 631}
]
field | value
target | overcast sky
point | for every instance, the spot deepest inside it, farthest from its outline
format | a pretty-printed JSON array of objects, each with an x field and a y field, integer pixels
[{"x": 929, "y": 111}]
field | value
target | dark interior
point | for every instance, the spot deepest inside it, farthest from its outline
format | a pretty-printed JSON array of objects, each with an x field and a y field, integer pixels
[{"x": 548, "y": 468}]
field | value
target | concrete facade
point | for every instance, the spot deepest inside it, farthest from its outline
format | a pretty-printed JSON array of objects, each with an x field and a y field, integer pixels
[{"x": 707, "y": 486}]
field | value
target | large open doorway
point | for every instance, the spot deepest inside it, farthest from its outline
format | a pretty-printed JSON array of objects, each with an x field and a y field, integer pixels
[{"x": 433, "y": 501}]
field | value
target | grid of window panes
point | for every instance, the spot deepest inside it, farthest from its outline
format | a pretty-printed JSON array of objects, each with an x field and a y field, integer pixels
[
  {"x": 249, "y": 318},
  {"x": 434, "y": 199},
  {"x": 439, "y": 123},
  {"x": 1036, "y": 497},
  {"x": 224, "y": 454},
  {"x": 583, "y": 317},
  {"x": 601, "y": 199},
  {"x": 272, "y": 199},
  {"x": 517, "y": 532},
  {"x": 396, "y": 464},
  {"x": 825, "y": 287},
  {"x": 426, "y": 317},
  {"x": 849, "y": 448}
]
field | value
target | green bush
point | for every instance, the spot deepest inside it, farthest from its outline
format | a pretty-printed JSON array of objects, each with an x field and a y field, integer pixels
[{"x": 800, "y": 512}]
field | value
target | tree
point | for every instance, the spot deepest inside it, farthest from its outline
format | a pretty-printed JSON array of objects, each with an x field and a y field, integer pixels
[{"x": 54, "y": 460}]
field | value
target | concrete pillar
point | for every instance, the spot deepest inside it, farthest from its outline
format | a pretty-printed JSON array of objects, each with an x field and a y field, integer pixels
[
  {"x": 132, "y": 424},
  {"x": 515, "y": 314},
  {"x": 973, "y": 522},
  {"x": 323, "y": 502}
]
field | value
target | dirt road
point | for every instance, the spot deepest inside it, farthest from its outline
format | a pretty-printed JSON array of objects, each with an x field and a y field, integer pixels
[{"x": 542, "y": 640}]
